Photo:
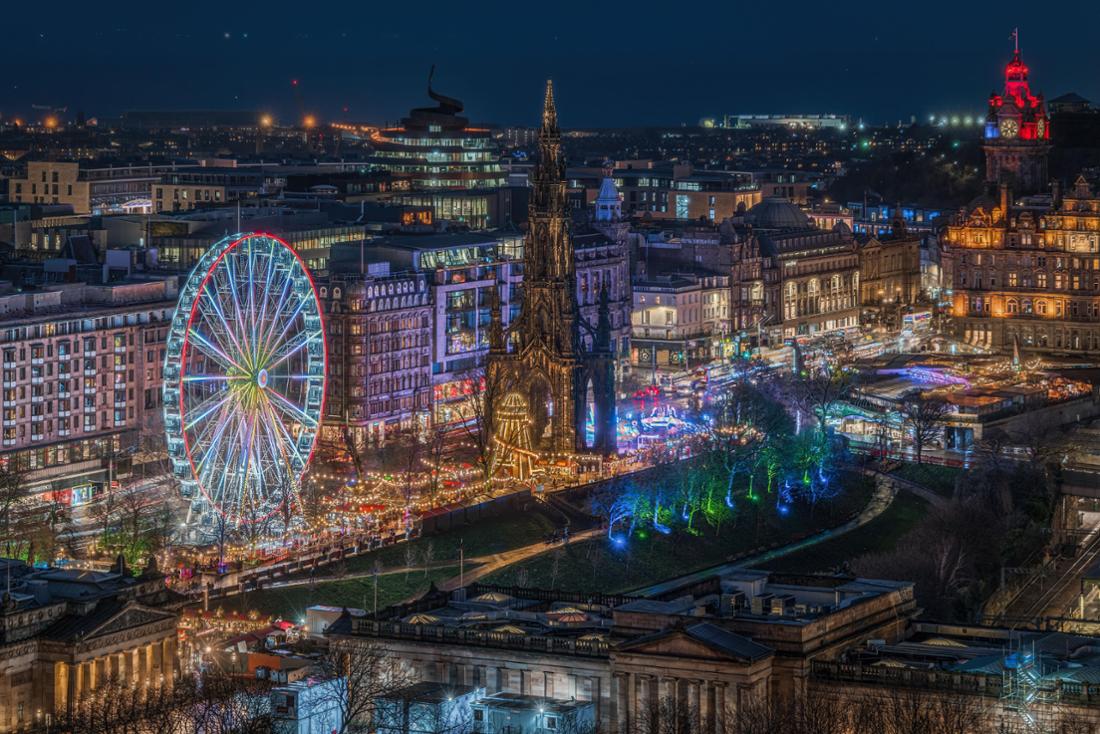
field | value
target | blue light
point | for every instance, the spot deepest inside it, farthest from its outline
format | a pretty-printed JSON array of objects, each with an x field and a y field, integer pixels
[{"x": 783, "y": 510}]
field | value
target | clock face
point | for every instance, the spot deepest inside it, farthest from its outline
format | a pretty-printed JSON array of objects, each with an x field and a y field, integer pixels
[
  {"x": 1009, "y": 128},
  {"x": 1041, "y": 128}
]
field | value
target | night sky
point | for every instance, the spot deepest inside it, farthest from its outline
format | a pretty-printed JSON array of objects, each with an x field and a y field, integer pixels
[{"x": 614, "y": 63}]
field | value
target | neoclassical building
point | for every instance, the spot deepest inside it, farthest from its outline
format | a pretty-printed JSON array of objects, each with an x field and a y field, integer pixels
[
  {"x": 66, "y": 634},
  {"x": 790, "y": 278},
  {"x": 890, "y": 273},
  {"x": 1027, "y": 276},
  {"x": 689, "y": 647}
]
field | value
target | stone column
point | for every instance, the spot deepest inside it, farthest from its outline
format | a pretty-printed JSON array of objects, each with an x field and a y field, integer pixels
[
  {"x": 722, "y": 710},
  {"x": 169, "y": 657},
  {"x": 630, "y": 711},
  {"x": 620, "y": 692},
  {"x": 101, "y": 671},
  {"x": 596, "y": 692},
  {"x": 707, "y": 713},
  {"x": 78, "y": 681},
  {"x": 695, "y": 703}
]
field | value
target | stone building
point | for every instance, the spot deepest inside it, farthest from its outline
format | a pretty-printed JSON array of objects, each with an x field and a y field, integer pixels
[
  {"x": 65, "y": 634},
  {"x": 680, "y": 319},
  {"x": 1026, "y": 273},
  {"x": 379, "y": 328},
  {"x": 701, "y": 645},
  {"x": 1017, "y": 133},
  {"x": 82, "y": 378},
  {"x": 890, "y": 274},
  {"x": 791, "y": 279}
]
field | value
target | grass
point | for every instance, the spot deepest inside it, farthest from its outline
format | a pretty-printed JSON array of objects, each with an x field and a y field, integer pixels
[
  {"x": 880, "y": 534},
  {"x": 649, "y": 556},
  {"x": 939, "y": 479},
  {"x": 292, "y": 602}
]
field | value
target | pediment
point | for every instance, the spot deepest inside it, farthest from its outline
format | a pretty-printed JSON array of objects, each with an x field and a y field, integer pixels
[
  {"x": 129, "y": 617},
  {"x": 679, "y": 644}
]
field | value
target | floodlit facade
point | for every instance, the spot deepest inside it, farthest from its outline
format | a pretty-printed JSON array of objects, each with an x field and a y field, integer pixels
[{"x": 82, "y": 378}]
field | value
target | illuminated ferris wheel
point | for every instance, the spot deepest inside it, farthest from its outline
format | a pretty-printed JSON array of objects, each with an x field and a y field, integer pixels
[{"x": 244, "y": 378}]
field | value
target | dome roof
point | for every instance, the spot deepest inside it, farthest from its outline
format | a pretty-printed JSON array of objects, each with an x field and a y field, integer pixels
[{"x": 775, "y": 212}]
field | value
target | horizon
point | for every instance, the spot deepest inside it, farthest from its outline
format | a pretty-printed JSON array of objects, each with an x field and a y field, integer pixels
[{"x": 368, "y": 66}]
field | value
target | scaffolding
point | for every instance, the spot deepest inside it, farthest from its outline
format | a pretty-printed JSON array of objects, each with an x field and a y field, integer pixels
[{"x": 1025, "y": 696}]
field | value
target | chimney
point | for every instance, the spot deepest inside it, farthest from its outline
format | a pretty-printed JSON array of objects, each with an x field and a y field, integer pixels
[
  {"x": 1006, "y": 199},
  {"x": 1056, "y": 194}
]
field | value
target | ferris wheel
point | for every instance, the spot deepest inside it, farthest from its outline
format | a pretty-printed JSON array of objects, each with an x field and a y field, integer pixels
[{"x": 244, "y": 378}]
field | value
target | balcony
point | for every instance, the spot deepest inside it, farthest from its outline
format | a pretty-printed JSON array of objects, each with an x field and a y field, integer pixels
[
  {"x": 63, "y": 431},
  {"x": 38, "y": 360},
  {"x": 64, "y": 413},
  {"x": 89, "y": 372}
]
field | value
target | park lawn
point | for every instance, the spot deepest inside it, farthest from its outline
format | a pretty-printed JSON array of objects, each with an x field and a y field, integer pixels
[
  {"x": 291, "y": 602},
  {"x": 597, "y": 566},
  {"x": 513, "y": 529},
  {"x": 939, "y": 479},
  {"x": 879, "y": 535}
]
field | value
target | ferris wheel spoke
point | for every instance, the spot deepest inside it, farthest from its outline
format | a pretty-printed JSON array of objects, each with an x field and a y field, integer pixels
[
  {"x": 206, "y": 407},
  {"x": 291, "y": 347},
  {"x": 272, "y": 346},
  {"x": 269, "y": 331},
  {"x": 286, "y": 440},
  {"x": 212, "y": 302},
  {"x": 211, "y": 350},
  {"x": 284, "y": 404},
  {"x": 212, "y": 447},
  {"x": 231, "y": 286},
  {"x": 259, "y": 326}
]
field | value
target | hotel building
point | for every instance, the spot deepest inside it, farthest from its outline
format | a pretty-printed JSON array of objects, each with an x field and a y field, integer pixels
[{"x": 82, "y": 378}]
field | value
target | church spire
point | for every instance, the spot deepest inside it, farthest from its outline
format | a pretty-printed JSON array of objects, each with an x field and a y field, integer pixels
[{"x": 549, "y": 111}]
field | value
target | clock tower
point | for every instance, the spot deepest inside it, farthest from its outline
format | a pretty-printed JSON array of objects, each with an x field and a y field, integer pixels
[{"x": 1017, "y": 132}]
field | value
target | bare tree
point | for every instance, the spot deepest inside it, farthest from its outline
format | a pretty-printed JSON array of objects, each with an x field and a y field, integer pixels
[
  {"x": 818, "y": 392},
  {"x": 923, "y": 418},
  {"x": 428, "y": 556},
  {"x": 477, "y": 413},
  {"x": 362, "y": 673}
]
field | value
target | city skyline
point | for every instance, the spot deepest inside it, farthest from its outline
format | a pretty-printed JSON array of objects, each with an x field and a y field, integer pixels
[{"x": 609, "y": 67}]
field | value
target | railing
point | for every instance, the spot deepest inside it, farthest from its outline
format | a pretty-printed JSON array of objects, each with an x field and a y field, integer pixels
[
  {"x": 441, "y": 634},
  {"x": 976, "y": 684},
  {"x": 570, "y": 597}
]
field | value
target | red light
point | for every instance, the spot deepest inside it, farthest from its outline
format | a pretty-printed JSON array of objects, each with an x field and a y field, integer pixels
[{"x": 293, "y": 82}]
